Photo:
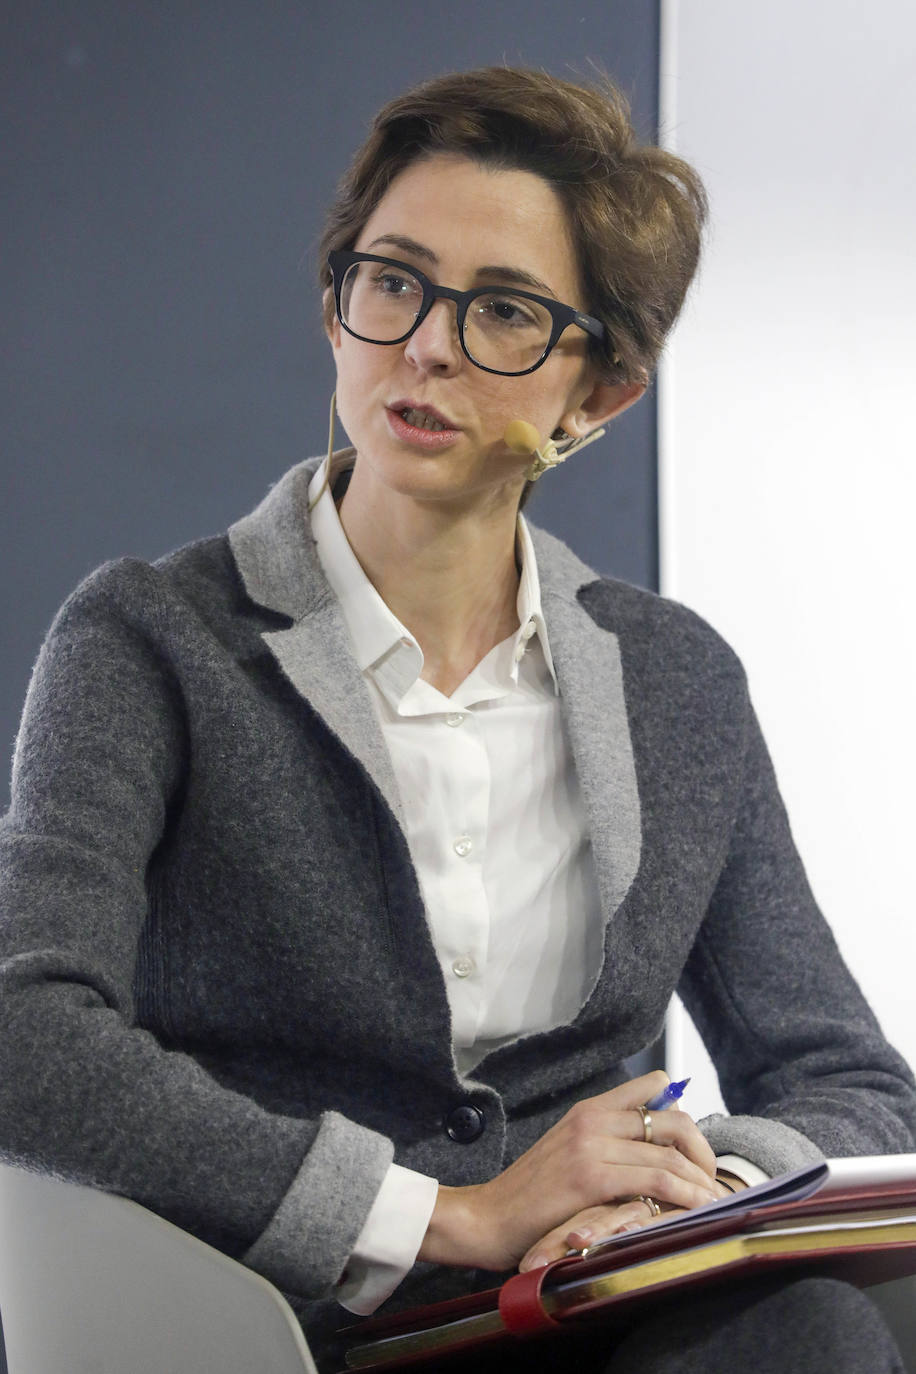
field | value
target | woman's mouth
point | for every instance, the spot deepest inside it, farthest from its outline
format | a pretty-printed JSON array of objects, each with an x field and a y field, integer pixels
[
  {"x": 417, "y": 425},
  {"x": 421, "y": 419}
]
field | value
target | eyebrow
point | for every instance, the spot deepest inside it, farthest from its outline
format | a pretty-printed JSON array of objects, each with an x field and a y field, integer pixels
[{"x": 498, "y": 272}]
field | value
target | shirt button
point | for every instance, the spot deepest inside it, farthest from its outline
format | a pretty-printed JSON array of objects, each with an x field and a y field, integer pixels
[
  {"x": 407, "y": 643},
  {"x": 463, "y": 966},
  {"x": 520, "y": 651},
  {"x": 456, "y": 718},
  {"x": 463, "y": 846},
  {"x": 530, "y": 630},
  {"x": 464, "y": 1124}
]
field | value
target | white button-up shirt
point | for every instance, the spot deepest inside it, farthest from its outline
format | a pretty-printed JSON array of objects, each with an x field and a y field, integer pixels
[
  {"x": 494, "y": 817},
  {"x": 497, "y": 833}
]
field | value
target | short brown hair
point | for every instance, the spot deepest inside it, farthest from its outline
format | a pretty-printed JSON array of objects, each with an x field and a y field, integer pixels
[{"x": 636, "y": 213}]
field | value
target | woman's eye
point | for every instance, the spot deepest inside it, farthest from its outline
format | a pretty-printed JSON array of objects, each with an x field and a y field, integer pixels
[
  {"x": 395, "y": 284},
  {"x": 508, "y": 311}
]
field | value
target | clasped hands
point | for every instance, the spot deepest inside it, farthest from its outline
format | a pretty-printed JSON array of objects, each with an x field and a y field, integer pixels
[{"x": 580, "y": 1182}]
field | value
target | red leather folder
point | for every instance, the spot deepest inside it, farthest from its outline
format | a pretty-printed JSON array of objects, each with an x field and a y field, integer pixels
[{"x": 854, "y": 1219}]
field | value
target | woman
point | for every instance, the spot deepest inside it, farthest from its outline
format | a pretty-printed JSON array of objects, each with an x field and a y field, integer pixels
[{"x": 351, "y": 854}]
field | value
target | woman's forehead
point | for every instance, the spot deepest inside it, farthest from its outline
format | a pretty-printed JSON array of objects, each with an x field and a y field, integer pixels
[{"x": 454, "y": 215}]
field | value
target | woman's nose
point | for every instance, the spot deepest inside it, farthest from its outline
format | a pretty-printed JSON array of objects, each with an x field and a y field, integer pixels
[{"x": 434, "y": 345}]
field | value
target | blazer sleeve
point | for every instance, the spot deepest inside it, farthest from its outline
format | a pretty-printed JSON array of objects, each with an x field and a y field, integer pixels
[
  {"x": 86, "y": 1092},
  {"x": 802, "y": 1062}
]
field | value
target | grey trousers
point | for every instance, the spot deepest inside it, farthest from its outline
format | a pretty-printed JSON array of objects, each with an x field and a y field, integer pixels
[
  {"x": 809, "y": 1326},
  {"x": 814, "y": 1326}
]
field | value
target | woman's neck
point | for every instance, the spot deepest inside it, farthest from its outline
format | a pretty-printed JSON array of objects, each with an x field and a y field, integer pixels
[{"x": 449, "y": 575}]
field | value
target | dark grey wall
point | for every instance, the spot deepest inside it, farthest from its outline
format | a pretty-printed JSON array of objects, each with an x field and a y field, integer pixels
[{"x": 166, "y": 166}]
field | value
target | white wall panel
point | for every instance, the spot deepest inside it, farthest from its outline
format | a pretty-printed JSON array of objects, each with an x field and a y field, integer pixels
[{"x": 788, "y": 462}]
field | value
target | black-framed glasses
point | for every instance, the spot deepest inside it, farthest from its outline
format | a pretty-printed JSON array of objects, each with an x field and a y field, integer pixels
[{"x": 501, "y": 328}]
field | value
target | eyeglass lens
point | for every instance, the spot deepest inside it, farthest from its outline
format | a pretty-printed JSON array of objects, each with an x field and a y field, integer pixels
[{"x": 502, "y": 330}]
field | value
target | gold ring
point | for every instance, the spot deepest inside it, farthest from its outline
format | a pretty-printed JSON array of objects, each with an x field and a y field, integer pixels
[
  {"x": 650, "y": 1202},
  {"x": 646, "y": 1124}
]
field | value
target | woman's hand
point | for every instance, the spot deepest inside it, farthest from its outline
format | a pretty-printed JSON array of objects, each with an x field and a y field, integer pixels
[{"x": 583, "y": 1173}]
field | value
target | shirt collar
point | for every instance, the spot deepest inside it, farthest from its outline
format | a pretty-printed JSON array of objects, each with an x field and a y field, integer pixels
[
  {"x": 384, "y": 647},
  {"x": 374, "y": 628},
  {"x": 529, "y": 598}
]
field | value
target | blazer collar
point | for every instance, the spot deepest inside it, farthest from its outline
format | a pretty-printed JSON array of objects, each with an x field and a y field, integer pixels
[{"x": 278, "y": 563}]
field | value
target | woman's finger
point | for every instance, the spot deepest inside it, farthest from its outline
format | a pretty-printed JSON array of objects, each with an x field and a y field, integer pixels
[
  {"x": 674, "y": 1127},
  {"x": 592, "y": 1143},
  {"x": 660, "y": 1172},
  {"x": 635, "y": 1091},
  {"x": 671, "y": 1126},
  {"x": 587, "y": 1227}
]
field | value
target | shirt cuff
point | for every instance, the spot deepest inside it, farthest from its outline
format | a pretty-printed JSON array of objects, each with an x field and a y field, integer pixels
[
  {"x": 739, "y": 1166},
  {"x": 387, "y": 1245}
]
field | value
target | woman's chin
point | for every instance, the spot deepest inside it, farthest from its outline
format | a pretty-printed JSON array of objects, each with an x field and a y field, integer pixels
[{"x": 445, "y": 477}]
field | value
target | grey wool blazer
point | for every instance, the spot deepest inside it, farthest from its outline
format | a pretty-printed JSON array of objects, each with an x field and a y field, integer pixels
[{"x": 218, "y": 991}]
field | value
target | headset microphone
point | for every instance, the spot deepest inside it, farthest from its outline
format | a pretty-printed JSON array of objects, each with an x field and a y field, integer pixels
[{"x": 521, "y": 437}]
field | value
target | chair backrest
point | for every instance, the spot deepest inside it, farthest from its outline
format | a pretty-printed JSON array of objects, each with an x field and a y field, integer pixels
[{"x": 94, "y": 1284}]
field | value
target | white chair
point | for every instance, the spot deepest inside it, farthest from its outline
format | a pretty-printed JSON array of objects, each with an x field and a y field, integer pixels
[{"x": 94, "y": 1284}]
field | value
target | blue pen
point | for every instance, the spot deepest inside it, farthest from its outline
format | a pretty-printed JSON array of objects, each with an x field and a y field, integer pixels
[{"x": 664, "y": 1099}]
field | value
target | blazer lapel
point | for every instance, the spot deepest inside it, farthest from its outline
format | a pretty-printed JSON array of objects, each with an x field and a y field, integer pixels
[
  {"x": 276, "y": 557},
  {"x": 590, "y": 674}
]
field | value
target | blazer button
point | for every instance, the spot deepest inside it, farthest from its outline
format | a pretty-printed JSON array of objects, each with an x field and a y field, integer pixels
[{"x": 464, "y": 1124}]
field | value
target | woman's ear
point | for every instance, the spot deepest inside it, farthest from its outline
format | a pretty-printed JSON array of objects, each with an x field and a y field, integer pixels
[
  {"x": 331, "y": 322},
  {"x": 603, "y": 402}
]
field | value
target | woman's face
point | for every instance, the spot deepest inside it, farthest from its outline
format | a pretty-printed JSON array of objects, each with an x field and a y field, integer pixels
[{"x": 463, "y": 225}]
